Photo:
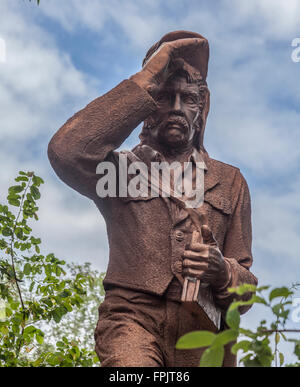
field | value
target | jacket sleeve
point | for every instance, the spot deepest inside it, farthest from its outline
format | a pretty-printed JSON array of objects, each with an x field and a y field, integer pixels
[
  {"x": 237, "y": 247},
  {"x": 92, "y": 134}
]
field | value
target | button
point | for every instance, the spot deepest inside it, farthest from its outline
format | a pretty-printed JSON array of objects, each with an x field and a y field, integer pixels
[
  {"x": 178, "y": 266},
  {"x": 179, "y": 236}
]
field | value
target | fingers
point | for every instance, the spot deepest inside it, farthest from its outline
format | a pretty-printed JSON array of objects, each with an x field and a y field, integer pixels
[
  {"x": 171, "y": 51},
  {"x": 208, "y": 237},
  {"x": 196, "y": 255},
  {"x": 191, "y": 264},
  {"x": 195, "y": 239},
  {"x": 193, "y": 273},
  {"x": 187, "y": 43}
]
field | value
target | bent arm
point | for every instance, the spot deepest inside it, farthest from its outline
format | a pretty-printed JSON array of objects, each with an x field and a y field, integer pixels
[
  {"x": 237, "y": 248},
  {"x": 93, "y": 133}
]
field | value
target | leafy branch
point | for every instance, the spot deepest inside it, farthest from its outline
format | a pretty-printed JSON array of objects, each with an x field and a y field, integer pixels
[
  {"x": 254, "y": 344},
  {"x": 38, "y": 291}
]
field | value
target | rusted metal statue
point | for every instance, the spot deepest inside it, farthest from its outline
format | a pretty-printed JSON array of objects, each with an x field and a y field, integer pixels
[{"x": 164, "y": 254}]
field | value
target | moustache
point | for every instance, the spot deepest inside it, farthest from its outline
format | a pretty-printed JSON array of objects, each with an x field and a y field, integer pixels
[{"x": 177, "y": 120}]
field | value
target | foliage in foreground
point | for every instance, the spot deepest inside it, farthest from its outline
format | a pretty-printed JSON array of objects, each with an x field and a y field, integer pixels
[
  {"x": 49, "y": 309},
  {"x": 255, "y": 345}
]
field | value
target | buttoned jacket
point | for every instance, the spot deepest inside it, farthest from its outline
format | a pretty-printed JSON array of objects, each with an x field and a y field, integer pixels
[{"x": 146, "y": 242}]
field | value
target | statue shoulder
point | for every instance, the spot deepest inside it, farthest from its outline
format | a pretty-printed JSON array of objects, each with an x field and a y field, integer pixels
[
  {"x": 228, "y": 174},
  {"x": 222, "y": 167}
]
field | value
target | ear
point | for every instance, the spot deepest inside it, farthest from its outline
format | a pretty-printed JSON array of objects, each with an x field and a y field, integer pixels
[{"x": 201, "y": 120}]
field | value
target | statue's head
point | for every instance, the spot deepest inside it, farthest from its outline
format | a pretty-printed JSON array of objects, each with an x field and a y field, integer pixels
[{"x": 182, "y": 100}]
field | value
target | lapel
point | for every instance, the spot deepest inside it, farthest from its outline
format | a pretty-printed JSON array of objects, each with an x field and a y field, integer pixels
[
  {"x": 211, "y": 179},
  {"x": 211, "y": 174}
]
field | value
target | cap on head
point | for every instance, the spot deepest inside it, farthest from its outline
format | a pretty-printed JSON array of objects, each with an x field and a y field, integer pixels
[{"x": 199, "y": 59}]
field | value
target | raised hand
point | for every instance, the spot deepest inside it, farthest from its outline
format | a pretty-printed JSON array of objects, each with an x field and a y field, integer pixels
[{"x": 164, "y": 62}]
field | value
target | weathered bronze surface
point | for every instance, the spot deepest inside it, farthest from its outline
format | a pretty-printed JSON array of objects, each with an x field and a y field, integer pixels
[{"x": 161, "y": 252}]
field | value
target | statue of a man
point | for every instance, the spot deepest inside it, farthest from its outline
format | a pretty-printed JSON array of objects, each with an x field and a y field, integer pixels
[{"x": 150, "y": 237}]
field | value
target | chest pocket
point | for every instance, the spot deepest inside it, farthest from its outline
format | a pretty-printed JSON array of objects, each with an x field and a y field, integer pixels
[{"x": 218, "y": 202}]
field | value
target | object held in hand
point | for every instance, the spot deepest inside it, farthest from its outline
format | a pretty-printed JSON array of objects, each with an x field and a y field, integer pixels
[{"x": 198, "y": 297}]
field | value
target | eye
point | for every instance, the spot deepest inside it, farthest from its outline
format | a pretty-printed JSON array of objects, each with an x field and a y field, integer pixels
[
  {"x": 162, "y": 98},
  {"x": 189, "y": 99}
]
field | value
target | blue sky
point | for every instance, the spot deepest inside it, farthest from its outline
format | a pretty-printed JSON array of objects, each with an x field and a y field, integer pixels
[{"x": 63, "y": 54}]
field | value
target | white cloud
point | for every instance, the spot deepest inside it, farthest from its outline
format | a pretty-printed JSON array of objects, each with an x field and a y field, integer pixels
[
  {"x": 39, "y": 88},
  {"x": 140, "y": 23},
  {"x": 278, "y": 19},
  {"x": 254, "y": 119},
  {"x": 71, "y": 226}
]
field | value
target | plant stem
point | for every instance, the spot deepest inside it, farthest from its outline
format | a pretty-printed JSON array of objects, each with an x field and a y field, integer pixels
[{"x": 13, "y": 261}]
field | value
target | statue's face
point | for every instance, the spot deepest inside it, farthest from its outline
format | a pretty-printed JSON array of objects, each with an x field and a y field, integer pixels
[{"x": 178, "y": 109}]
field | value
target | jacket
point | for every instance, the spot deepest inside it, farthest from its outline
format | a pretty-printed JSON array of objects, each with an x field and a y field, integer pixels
[{"x": 146, "y": 243}]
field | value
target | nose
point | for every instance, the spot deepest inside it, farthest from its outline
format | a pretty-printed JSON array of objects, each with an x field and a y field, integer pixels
[{"x": 176, "y": 103}]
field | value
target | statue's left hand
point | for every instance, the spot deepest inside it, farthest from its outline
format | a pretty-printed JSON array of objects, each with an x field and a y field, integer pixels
[{"x": 205, "y": 260}]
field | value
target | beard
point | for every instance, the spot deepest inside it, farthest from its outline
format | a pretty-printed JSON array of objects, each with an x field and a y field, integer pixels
[{"x": 172, "y": 130}]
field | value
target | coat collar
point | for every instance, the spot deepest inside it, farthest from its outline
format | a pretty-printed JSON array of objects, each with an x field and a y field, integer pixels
[
  {"x": 211, "y": 176},
  {"x": 147, "y": 154}
]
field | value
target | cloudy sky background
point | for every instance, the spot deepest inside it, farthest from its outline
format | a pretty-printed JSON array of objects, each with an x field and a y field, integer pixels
[{"x": 63, "y": 54}]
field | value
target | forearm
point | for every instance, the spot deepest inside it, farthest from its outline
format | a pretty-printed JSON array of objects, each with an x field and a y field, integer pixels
[
  {"x": 237, "y": 275},
  {"x": 237, "y": 246},
  {"x": 95, "y": 131}
]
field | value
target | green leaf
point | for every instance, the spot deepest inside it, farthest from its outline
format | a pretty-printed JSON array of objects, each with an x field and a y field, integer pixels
[
  {"x": 31, "y": 286},
  {"x": 3, "y": 244},
  {"x": 13, "y": 201},
  {"x": 297, "y": 349},
  {"x": 56, "y": 315},
  {"x": 47, "y": 269},
  {"x": 283, "y": 336},
  {"x": 58, "y": 271},
  {"x": 30, "y": 329},
  {"x": 75, "y": 352},
  {"x": 6, "y": 231},
  {"x": 14, "y": 305},
  {"x": 225, "y": 337},
  {"x": 27, "y": 269},
  {"x": 244, "y": 345},
  {"x": 37, "y": 180},
  {"x": 258, "y": 300},
  {"x": 60, "y": 344},
  {"x": 212, "y": 357},
  {"x": 242, "y": 289},
  {"x": 281, "y": 359},
  {"x": 16, "y": 189},
  {"x": 279, "y": 292},
  {"x": 196, "y": 339},
  {"x": 233, "y": 319},
  {"x": 251, "y": 363},
  {"x": 35, "y": 192},
  {"x": 19, "y": 232},
  {"x": 261, "y": 288},
  {"x": 39, "y": 337},
  {"x": 21, "y": 178}
]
